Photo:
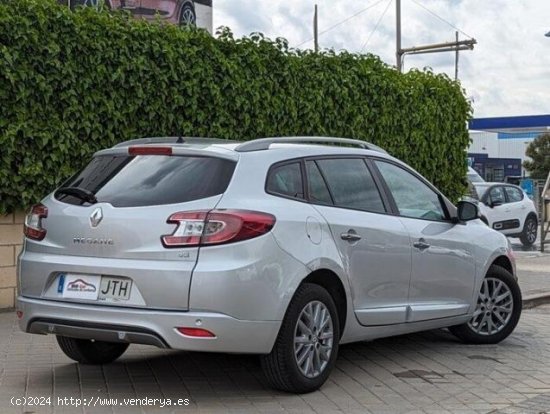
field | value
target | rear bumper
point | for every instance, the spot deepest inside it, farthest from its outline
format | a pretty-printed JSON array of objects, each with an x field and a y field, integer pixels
[{"x": 147, "y": 326}]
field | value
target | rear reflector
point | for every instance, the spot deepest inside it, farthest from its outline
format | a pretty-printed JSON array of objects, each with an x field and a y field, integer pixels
[
  {"x": 203, "y": 228},
  {"x": 19, "y": 314},
  {"x": 33, "y": 222},
  {"x": 149, "y": 150},
  {"x": 196, "y": 332}
]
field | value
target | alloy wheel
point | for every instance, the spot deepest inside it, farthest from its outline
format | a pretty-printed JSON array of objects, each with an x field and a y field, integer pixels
[
  {"x": 313, "y": 339},
  {"x": 187, "y": 17},
  {"x": 494, "y": 307},
  {"x": 531, "y": 231}
]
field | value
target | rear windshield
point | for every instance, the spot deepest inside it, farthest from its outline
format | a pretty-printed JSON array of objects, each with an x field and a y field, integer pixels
[{"x": 134, "y": 181}]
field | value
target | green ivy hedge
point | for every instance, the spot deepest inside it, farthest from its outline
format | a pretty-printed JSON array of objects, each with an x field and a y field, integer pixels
[{"x": 72, "y": 83}]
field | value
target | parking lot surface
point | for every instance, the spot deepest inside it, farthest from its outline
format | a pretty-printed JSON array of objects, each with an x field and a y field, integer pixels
[{"x": 422, "y": 373}]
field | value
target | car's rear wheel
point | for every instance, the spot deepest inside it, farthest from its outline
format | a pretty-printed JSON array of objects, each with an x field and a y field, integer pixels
[
  {"x": 91, "y": 352},
  {"x": 307, "y": 346},
  {"x": 529, "y": 235},
  {"x": 497, "y": 312}
]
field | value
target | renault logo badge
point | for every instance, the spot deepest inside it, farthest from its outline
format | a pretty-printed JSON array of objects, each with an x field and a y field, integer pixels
[{"x": 96, "y": 217}]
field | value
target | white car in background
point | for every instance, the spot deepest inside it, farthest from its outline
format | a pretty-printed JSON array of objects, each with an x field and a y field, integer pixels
[{"x": 506, "y": 208}]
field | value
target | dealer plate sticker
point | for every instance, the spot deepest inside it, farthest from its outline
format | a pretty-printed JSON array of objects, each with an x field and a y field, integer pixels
[{"x": 81, "y": 286}]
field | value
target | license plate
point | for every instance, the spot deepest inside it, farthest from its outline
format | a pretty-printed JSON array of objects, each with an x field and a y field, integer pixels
[
  {"x": 114, "y": 288},
  {"x": 94, "y": 287}
]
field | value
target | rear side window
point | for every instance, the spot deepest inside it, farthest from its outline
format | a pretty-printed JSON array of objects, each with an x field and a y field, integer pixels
[
  {"x": 351, "y": 184},
  {"x": 514, "y": 194},
  {"x": 286, "y": 180},
  {"x": 318, "y": 191},
  {"x": 126, "y": 181}
]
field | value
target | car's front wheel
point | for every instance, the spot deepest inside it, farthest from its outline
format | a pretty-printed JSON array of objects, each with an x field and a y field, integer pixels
[
  {"x": 497, "y": 312},
  {"x": 307, "y": 346},
  {"x": 188, "y": 16},
  {"x": 529, "y": 235},
  {"x": 91, "y": 352}
]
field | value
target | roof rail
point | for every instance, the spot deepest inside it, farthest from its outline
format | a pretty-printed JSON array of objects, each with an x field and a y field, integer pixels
[
  {"x": 265, "y": 143},
  {"x": 172, "y": 140}
]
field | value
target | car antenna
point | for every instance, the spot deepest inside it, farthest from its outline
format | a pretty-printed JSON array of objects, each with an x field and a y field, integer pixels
[{"x": 180, "y": 140}]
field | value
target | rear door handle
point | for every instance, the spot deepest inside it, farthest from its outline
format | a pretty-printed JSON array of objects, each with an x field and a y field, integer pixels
[
  {"x": 350, "y": 236},
  {"x": 421, "y": 244}
]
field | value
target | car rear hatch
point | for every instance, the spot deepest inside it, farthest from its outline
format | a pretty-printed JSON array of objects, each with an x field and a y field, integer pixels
[{"x": 109, "y": 250}]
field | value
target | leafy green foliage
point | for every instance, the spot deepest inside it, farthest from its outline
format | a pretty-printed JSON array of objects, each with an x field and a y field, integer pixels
[
  {"x": 72, "y": 83},
  {"x": 539, "y": 152}
]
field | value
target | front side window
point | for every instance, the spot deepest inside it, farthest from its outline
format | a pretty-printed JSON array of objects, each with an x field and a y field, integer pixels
[
  {"x": 351, "y": 184},
  {"x": 496, "y": 195},
  {"x": 413, "y": 197},
  {"x": 514, "y": 194},
  {"x": 286, "y": 180},
  {"x": 481, "y": 190}
]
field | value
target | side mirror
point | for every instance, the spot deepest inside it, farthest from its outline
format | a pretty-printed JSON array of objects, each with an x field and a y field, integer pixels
[
  {"x": 495, "y": 203},
  {"x": 467, "y": 211}
]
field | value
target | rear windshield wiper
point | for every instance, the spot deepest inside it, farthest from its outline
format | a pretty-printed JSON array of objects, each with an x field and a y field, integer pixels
[{"x": 77, "y": 192}]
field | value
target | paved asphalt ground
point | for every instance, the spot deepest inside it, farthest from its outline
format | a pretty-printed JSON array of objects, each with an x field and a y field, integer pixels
[{"x": 429, "y": 372}]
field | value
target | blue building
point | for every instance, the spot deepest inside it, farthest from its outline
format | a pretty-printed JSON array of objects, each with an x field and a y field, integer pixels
[{"x": 498, "y": 144}]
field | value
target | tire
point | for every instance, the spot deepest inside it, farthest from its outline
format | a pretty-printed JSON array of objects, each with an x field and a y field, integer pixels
[
  {"x": 91, "y": 352},
  {"x": 476, "y": 331},
  {"x": 529, "y": 234},
  {"x": 188, "y": 16},
  {"x": 281, "y": 367}
]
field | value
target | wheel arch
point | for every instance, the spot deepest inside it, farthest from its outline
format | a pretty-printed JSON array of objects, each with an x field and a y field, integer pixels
[
  {"x": 532, "y": 214},
  {"x": 330, "y": 281},
  {"x": 504, "y": 262}
]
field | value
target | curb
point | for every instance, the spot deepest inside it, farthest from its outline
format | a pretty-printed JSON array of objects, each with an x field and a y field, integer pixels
[{"x": 532, "y": 301}]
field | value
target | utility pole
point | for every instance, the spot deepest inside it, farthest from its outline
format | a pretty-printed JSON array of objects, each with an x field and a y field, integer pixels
[
  {"x": 316, "y": 30},
  {"x": 457, "y": 54},
  {"x": 455, "y": 46},
  {"x": 398, "y": 52}
]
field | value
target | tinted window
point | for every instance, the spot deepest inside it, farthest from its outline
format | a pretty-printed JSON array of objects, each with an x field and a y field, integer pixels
[
  {"x": 351, "y": 184},
  {"x": 286, "y": 180},
  {"x": 318, "y": 191},
  {"x": 412, "y": 196},
  {"x": 126, "y": 181},
  {"x": 496, "y": 195},
  {"x": 514, "y": 194}
]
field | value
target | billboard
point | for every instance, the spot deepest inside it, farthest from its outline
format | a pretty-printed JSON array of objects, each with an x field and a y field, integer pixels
[{"x": 180, "y": 12}]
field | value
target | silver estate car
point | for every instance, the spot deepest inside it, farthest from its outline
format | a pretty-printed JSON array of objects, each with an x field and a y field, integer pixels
[{"x": 282, "y": 247}]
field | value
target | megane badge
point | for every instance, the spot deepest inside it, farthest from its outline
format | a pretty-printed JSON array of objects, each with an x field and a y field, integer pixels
[{"x": 96, "y": 217}]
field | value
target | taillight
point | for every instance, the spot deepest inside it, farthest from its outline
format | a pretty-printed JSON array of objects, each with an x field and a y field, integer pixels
[
  {"x": 33, "y": 222},
  {"x": 203, "y": 228},
  {"x": 149, "y": 150}
]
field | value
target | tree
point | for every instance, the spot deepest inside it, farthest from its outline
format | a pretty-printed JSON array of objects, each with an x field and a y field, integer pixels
[{"x": 539, "y": 152}]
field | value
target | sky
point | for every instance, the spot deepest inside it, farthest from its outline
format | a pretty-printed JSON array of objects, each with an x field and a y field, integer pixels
[{"x": 507, "y": 73}]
